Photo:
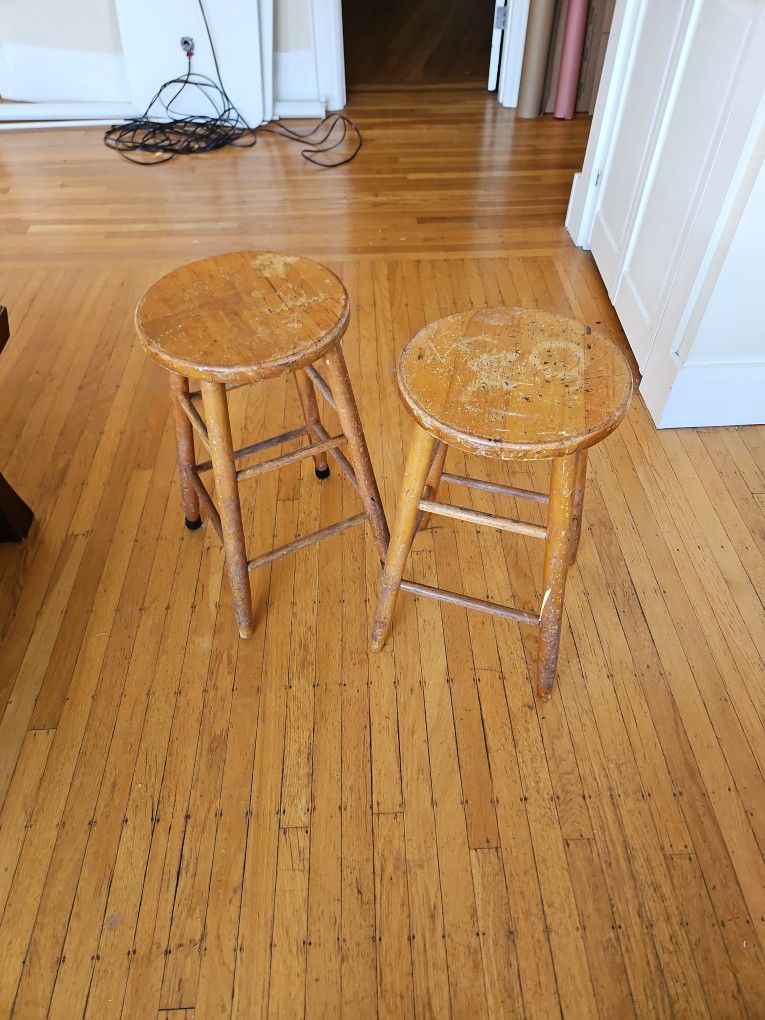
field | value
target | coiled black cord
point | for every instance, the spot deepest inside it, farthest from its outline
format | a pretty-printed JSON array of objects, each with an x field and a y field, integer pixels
[{"x": 148, "y": 139}]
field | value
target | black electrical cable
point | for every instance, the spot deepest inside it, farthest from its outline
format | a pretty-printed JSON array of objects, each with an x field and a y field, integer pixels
[
  {"x": 147, "y": 139},
  {"x": 320, "y": 139}
]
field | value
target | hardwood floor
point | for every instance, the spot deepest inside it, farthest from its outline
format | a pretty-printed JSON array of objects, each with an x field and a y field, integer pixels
[
  {"x": 197, "y": 826},
  {"x": 415, "y": 44}
]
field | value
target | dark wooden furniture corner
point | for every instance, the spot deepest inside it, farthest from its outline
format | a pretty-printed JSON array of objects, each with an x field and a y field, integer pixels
[{"x": 15, "y": 516}]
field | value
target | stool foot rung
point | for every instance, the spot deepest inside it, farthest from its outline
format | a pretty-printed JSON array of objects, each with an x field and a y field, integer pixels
[
  {"x": 290, "y": 458},
  {"x": 501, "y": 490},
  {"x": 320, "y": 385},
  {"x": 194, "y": 394},
  {"x": 211, "y": 510},
  {"x": 466, "y": 602},
  {"x": 342, "y": 461},
  {"x": 462, "y": 513},
  {"x": 264, "y": 444},
  {"x": 194, "y": 417},
  {"x": 305, "y": 541}
]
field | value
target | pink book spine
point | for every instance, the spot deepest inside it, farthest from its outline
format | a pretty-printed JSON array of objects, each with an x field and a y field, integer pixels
[{"x": 571, "y": 59}]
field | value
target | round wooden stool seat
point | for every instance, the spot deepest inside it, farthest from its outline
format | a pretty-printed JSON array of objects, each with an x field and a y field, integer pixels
[
  {"x": 242, "y": 317},
  {"x": 514, "y": 383}
]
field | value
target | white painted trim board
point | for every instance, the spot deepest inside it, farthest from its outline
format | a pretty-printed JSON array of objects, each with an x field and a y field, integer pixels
[{"x": 40, "y": 74}]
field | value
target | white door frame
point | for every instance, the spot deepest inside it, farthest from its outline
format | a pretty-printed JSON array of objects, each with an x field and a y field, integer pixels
[
  {"x": 512, "y": 53},
  {"x": 328, "y": 46},
  {"x": 679, "y": 391},
  {"x": 606, "y": 115},
  {"x": 330, "y": 57}
]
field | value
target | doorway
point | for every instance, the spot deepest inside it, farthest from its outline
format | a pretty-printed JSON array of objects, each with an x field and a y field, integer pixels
[{"x": 417, "y": 43}]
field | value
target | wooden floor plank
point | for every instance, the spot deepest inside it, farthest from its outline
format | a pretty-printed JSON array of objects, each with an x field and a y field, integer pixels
[
  {"x": 712, "y": 961},
  {"x": 500, "y": 962},
  {"x": 280, "y": 518},
  {"x": 323, "y": 994},
  {"x": 140, "y": 820},
  {"x": 609, "y": 976},
  {"x": 359, "y": 956},
  {"x": 143, "y": 968},
  {"x": 18, "y": 711},
  {"x": 19, "y": 802},
  {"x": 395, "y": 984},
  {"x": 141, "y": 708}
]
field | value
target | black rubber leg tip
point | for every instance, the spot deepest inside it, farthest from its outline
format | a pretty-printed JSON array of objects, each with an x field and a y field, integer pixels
[
  {"x": 193, "y": 525},
  {"x": 322, "y": 473}
]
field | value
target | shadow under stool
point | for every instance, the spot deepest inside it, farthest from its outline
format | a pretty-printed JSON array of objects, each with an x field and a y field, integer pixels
[
  {"x": 513, "y": 384},
  {"x": 241, "y": 318}
]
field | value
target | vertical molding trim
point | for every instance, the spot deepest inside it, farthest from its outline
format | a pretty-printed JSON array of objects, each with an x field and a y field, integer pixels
[{"x": 327, "y": 18}]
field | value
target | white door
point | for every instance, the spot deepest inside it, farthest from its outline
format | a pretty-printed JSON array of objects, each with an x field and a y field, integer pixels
[
  {"x": 242, "y": 34},
  {"x": 686, "y": 63}
]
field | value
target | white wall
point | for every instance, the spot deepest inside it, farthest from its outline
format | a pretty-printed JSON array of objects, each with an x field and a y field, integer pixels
[
  {"x": 89, "y": 25},
  {"x": 309, "y": 68},
  {"x": 293, "y": 30},
  {"x": 733, "y": 327},
  {"x": 58, "y": 51},
  {"x": 120, "y": 51},
  {"x": 295, "y": 78}
]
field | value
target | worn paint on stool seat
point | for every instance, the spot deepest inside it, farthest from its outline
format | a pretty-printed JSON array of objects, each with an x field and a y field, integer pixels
[
  {"x": 514, "y": 382},
  {"x": 243, "y": 316}
]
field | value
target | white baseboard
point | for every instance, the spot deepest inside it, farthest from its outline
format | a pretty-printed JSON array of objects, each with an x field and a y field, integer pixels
[
  {"x": 327, "y": 18},
  {"x": 306, "y": 108},
  {"x": 43, "y": 75},
  {"x": 37, "y": 125},
  {"x": 580, "y": 233},
  {"x": 16, "y": 114},
  {"x": 711, "y": 394}
]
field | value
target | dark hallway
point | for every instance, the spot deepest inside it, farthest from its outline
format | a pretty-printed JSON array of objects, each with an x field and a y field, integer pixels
[{"x": 417, "y": 42}]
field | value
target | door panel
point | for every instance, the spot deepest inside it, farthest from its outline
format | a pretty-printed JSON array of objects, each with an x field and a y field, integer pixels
[
  {"x": 675, "y": 107},
  {"x": 658, "y": 35},
  {"x": 694, "y": 126}
]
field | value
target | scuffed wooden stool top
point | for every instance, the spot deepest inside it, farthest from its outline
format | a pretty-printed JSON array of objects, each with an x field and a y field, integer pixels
[
  {"x": 514, "y": 383},
  {"x": 243, "y": 316}
]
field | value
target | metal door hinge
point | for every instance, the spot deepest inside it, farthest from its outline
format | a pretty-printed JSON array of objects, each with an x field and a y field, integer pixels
[{"x": 500, "y": 18}]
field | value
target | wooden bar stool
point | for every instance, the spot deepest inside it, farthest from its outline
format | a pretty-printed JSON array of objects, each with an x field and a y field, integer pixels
[
  {"x": 515, "y": 384},
  {"x": 236, "y": 319}
]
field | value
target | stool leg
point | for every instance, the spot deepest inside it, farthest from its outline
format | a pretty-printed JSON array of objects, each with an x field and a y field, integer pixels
[
  {"x": 310, "y": 407},
  {"x": 184, "y": 442},
  {"x": 557, "y": 560},
  {"x": 347, "y": 412},
  {"x": 418, "y": 464},
  {"x": 224, "y": 469},
  {"x": 433, "y": 480},
  {"x": 581, "y": 478}
]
